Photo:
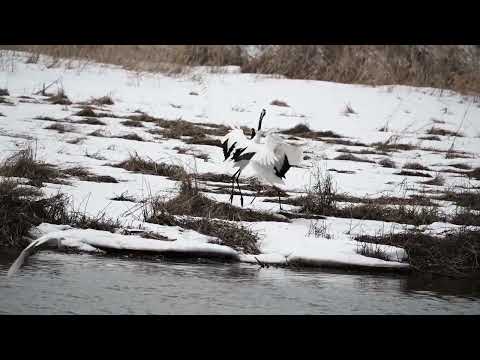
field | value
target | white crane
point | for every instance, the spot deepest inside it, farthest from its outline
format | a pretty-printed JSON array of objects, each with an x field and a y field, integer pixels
[{"x": 270, "y": 161}]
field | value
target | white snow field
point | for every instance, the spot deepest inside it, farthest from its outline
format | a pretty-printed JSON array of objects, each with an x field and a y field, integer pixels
[{"x": 232, "y": 98}]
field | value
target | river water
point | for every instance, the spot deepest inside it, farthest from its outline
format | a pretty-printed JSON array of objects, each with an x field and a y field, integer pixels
[{"x": 61, "y": 283}]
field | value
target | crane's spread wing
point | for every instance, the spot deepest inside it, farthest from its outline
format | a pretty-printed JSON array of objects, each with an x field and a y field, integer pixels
[
  {"x": 264, "y": 156},
  {"x": 294, "y": 153},
  {"x": 235, "y": 139},
  {"x": 278, "y": 156}
]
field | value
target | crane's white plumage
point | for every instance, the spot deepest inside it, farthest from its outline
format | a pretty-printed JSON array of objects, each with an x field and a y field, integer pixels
[
  {"x": 274, "y": 158},
  {"x": 269, "y": 160}
]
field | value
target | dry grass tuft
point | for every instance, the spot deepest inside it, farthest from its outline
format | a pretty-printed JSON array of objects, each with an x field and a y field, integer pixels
[
  {"x": 413, "y": 173},
  {"x": 144, "y": 117},
  {"x": 76, "y": 141},
  {"x": 372, "y": 250},
  {"x": 124, "y": 197},
  {"x": 351, "y": 157},
  {"x": 415, "y": 166},
  {"x": 431, "y": 138},
  {"x": 319, "y": 229},
  {"x": 103, "y": 100},
  {"x": 90, "y": 121},
  {"x": 24, "y": 164},
  {"x": 443, "y": 132},
  {"x": 348, "y": 110},
  {"x": 136, "y": 164},
  {"x": 85, "y": 175},
  {"x": 175, "y": 129},
  {"x": 97, "y": 133},
  {"x": 461, "y": 166},
  {"x": 402, "y": 214},
  {"x": 203, "y": 140},
  {"x": 60, "y": 98},
  {"x": 361, "y": 152},
  {"x": 49, "y": 118},
  {"x": 279, "y": 103},
  {"x": 61, "y": 128},
  {"x": 21, "y": 208},
  {"x": 438, "y": 180},
  {"x": 191, "y": 202},
  {"x": 132, "y": 123},
  {"x": 455, "y": 255},
  {"x": 387, "y": 163},
  {"x": 131, "y": 136},
  {"x": 302, "y": 130},
  {"x": 86, "y": 112},
  {"x": 468, "y": 198},
  {"x": 321, "y": 193}
]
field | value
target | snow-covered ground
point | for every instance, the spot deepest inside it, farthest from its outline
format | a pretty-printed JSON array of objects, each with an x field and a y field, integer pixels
[{"x": 232, "y": 98}]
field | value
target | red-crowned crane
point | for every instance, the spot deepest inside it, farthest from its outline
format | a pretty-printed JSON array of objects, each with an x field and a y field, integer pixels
[{"x": 270, "y": 160}]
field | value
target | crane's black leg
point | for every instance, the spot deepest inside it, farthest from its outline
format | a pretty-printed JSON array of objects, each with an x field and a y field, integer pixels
[
  {"x": 251, "y": 202},
  {"x": 233, "y": 185},
  {"x": 240, "y": 190},
  {"x": 258, "y": 192},
  {"x": 279, "y": 201}
]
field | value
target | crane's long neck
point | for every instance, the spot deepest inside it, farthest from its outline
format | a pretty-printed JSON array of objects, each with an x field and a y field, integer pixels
[{"x": 258, "y": 136}]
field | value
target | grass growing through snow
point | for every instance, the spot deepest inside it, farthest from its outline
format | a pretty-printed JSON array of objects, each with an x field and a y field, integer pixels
[
  {"x": 279, "y": 103},
  {"x": 24, "y": 164},
  {"x": 319, "y": 229},
  {"x": 413, "y": 173},
  {"x": 132, "y": 123},
  {"x": 61, "y": 128},
  {"x": 90, "y": 121},
  {"x": 131, "y": 136},
  {"x": 438, "y": 180},
  {"x": 351, "y": 157},
  {"x": 321, "y": 193},
  {"x": 175, "y": 129},
  {"x": 443, "y": 132},
  {"x": 103, "y": 100},
  {"x": 322, "y": 198},
  {"x": 137, "y": 164},
  {"x": 415, "y": 166},
  {"x": 191, "y": 201},
  {"x": 21, "y": 208},
  {"x": 455, "y": 255},
  {"x": 207, "y": 217},
  {"x": 302, "y": 130},
  {"x": 372, "y": 250},
  {"x": 85, "y": 175},
  {"x": 387, "y": 163},
  {"x": 60, "y": 98},
  {"x": 461, "y": 166}
]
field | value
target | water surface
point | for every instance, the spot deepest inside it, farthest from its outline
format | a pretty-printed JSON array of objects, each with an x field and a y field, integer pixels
[{"x": 60, "y": 283}]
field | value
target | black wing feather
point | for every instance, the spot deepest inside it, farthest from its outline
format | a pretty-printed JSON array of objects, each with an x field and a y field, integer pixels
[
  {"x": 246, "y": 156},
  {"x": 226, "y": 150},
  {"x": 285, "y": 167}
]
